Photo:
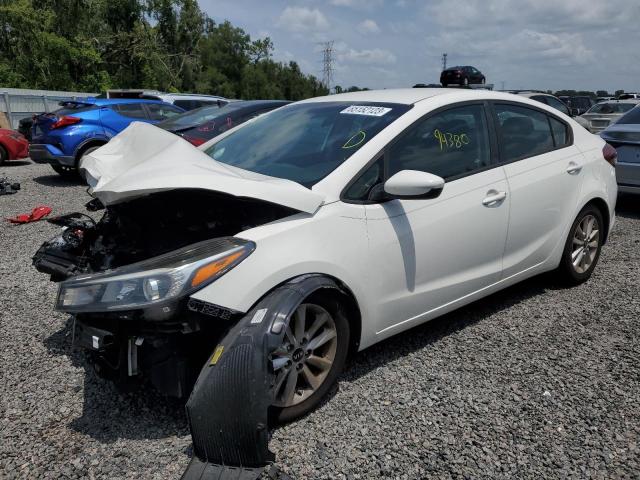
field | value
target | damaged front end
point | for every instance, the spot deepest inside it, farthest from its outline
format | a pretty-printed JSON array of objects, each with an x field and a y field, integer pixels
[{"x": 127, "y": 279}]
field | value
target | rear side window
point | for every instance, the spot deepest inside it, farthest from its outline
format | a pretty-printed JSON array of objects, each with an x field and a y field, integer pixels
[
  {"x": 558, "y": 105},
  {"x": 631, "y": 117},
  {"x": 158, "y": 111},
  {"x": 524, "y": 132},
  {"x": 131, "y": 110},
  {"x": 450, "y": 144}
]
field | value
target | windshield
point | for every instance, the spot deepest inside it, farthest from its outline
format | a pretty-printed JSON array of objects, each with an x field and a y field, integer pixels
[
  {"x": 197, "y": 116},
  {"x": 608, "y": 108},
  {"x": 307, "y": 141},
  {"x": 631, "y": 117}
]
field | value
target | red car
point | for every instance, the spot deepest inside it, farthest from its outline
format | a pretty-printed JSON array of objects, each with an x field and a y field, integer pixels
[{"x": 13, "y": 145}]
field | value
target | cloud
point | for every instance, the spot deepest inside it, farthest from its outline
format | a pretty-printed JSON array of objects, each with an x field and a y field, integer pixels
[
  {"x": 368, "y": 26},
  {"x": 302, "y": 19},
  {"x": 374, "y": 56},
  {"x": 359, "y": 4}
]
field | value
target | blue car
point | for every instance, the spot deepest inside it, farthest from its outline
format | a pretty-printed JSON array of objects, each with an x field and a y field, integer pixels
[{"x": 62, "y": 137}]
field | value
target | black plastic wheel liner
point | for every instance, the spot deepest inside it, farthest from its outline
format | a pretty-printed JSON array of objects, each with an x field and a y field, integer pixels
[{"x": 228, "y": 407}]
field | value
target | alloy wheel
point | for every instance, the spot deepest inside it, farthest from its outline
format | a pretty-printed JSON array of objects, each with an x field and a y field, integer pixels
[
  {"x": 303, "y": 361},
  {"x": 586, "y": 239}
]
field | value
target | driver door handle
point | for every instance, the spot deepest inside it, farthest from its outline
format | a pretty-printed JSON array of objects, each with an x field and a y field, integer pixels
[{"x": 494, "y": 198}]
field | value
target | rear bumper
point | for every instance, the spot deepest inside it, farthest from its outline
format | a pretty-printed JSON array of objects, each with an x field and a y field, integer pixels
[{"x": 46, "y": 153}]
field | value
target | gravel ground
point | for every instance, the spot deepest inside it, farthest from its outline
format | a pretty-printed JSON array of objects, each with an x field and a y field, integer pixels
[{"x": 534, "y": 382}]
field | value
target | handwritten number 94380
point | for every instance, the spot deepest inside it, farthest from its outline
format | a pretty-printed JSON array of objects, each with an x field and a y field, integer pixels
[{"x": 451, "y": 140}]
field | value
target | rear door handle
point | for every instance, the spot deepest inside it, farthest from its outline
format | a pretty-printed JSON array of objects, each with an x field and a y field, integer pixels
[
  {"x": 573, "y": 168},
  {"x": 494, "y": 198}
]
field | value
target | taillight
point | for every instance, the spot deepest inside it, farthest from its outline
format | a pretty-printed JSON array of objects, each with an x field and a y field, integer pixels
[
  {"x": 194, "y": 140},
  {"x": 609, "y": 153},
  {"x": 65, "y": 121}
]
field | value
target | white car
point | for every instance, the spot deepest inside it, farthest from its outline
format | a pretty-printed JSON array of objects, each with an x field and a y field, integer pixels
[{"x": 318, "y": 229}]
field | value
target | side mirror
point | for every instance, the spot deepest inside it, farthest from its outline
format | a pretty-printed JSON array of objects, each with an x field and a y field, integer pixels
[{"x": 413, "y": 184}]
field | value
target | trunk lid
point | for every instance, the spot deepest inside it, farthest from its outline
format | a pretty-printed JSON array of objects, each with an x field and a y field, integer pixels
[{"x": 144, "y": 159}]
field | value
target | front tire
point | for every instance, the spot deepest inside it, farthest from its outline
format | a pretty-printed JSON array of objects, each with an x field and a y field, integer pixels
[
  {"x": 311, "y": 357},
  {"x": 583, "y": 246},
  {"x": 4, "y": 156}
]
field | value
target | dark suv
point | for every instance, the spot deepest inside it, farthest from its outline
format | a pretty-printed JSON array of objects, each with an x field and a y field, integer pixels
[{"x": 461, "y": 76}]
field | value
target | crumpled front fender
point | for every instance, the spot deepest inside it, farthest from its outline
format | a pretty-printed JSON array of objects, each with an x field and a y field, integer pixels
[{"x": 228, "y": 407}]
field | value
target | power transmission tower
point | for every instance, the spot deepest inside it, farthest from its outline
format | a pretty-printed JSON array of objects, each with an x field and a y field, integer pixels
[
  {"x": 327, "y": 64},
  {"x": 444, "y": 61}
]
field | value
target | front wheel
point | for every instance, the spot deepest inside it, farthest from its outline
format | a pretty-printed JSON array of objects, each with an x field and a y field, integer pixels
[
  {"x": 310, "y": 358},
  {"x": 583, "y": 246}
]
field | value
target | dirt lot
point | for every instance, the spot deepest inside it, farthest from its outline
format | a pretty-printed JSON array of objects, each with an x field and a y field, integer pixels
[{"x": 534, "y": 382}]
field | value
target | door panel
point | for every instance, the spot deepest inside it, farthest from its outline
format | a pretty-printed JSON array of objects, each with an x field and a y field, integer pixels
[
  {"x": 431, "y": 252},
  {"x": 544, "y": 195}
]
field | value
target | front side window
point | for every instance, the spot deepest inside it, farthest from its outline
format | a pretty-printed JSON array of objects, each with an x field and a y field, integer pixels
[
  {"x": 305, "y": 142},
  {"x": 523, "y": 132},
  {"x": 449, "y": 144}
]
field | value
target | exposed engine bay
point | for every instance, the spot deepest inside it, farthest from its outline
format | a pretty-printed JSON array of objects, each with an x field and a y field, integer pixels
[
  {"x": 167, "y": 345},
  {"x": 146, "y": 227}
]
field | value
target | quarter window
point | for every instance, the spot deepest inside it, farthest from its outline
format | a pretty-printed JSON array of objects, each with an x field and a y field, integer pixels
[
  {"x": 449, "y": 144},
  {"x": 524, "y": 132},
  {"x": 560, "y": 136}
]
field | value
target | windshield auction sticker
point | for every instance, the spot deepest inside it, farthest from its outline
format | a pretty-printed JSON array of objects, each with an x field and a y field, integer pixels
[{"x": 366, "y": 110}]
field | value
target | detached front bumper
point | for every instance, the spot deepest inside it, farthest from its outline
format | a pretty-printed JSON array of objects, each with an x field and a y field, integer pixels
[{"x": 46, "y": 153}]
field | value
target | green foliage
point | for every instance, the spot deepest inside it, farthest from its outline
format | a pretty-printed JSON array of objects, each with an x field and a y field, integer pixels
[{"x": 169, "y": 45}]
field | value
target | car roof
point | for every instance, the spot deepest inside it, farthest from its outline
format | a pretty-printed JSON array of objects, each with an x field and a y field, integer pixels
[{"x": 411, "y": 96}]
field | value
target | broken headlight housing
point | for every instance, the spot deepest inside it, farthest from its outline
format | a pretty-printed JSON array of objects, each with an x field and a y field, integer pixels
[{"x": 156, "y": 281}]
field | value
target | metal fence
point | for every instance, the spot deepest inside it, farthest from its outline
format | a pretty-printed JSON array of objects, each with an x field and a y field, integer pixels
[{"x": 18, "y": 103}]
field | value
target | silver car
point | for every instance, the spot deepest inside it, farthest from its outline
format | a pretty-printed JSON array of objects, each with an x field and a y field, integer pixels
[
  {"x": 624, "y": 135},
  {"x": 603, "y": 114}
]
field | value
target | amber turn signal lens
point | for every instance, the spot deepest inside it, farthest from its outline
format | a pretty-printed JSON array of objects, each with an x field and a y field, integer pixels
[{"x": 205, "y": 272}]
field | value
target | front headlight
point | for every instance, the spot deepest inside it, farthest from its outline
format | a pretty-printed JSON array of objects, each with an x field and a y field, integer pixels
[{"x": 152, "y": 282}]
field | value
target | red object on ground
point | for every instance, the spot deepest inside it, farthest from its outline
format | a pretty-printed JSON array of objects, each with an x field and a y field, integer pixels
[
  {"x": 13, "y": 144},
  {"x": 36, "y": 214}
]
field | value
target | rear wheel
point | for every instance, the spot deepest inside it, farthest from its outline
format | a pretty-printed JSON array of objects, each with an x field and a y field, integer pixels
[
  {"x": 310, "y": 358},
  {"x": 4, "y": 156},
  {"x": 583, "y": 246}
]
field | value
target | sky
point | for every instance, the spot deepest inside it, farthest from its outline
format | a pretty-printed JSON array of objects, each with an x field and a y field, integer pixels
[{"x": 517, "y": 44}]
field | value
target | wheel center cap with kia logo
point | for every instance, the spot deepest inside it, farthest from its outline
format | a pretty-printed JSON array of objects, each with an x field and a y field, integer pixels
[{"x": 297, "y": 355}]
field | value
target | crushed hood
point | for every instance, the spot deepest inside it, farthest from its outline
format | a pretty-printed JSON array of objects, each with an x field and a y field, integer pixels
[{"x": 145, "y": 159}]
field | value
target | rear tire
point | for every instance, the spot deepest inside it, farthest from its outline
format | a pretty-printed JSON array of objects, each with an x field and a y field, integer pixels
[
  {"x": 4, "y": 156},
  {"x": 583, "y": 246},
  {"x": 330, "y": 355}
]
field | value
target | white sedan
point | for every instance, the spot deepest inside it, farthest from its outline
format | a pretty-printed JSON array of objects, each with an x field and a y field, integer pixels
[{"x": 330, "y": 224}]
